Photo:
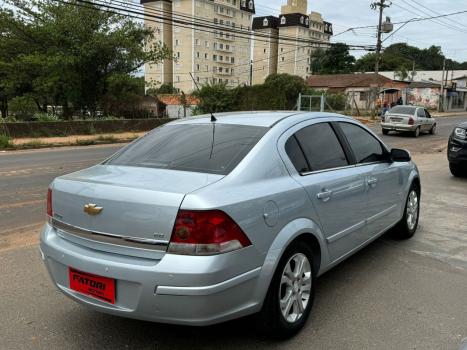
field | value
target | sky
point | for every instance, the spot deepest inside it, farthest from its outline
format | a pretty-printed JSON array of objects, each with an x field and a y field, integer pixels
[{"x": 450, "y": 33}]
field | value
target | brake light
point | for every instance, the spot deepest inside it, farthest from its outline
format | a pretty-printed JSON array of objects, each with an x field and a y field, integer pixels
[
  {"x": 411, "y": 121},
  {"x": 49, "y": 203},
  {"x": 207, "y": 232}
]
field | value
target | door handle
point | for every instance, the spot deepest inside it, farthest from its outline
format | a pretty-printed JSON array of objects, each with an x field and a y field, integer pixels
[
  {"x": 372, "y": 181},
  {"x": 325, "y": 195}
]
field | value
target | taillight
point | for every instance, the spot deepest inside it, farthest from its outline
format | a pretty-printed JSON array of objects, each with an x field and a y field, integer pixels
[
  {"x": 49, "y": 203},
  {"x": 207, "y": 232},
  {"x": 411, "y": 121}
]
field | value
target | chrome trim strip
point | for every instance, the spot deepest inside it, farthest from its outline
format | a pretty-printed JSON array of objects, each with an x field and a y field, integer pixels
[
  {"x": 346, "y": 232},
  {"x": 327, "y": 170},
  {"x": 124, "y": 241},
  {"x": 208, "y": 290},
  {"x": 380, "y": 214}
]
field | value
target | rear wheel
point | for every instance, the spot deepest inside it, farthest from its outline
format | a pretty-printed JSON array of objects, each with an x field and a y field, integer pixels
[
  {"x": 407, "y": 227},
  {"x": 457, "y": 170},
  {"x": 433, "y": 129},
  {"x": 416, "y": 133},
  {"x": 385, "y": 131},
  {"x": 290, "y": 296}
]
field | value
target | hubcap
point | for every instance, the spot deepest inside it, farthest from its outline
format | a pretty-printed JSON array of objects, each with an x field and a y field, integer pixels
[
  {"x": 295, "y": 287},
  {"x": 412, "y": 210}
]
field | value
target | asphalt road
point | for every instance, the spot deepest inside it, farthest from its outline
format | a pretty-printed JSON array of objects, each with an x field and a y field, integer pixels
[{"x": 392, "y": 295}]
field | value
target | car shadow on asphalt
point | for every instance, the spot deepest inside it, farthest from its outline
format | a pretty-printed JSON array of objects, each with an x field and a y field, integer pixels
[{"x": 108, "y": 331}]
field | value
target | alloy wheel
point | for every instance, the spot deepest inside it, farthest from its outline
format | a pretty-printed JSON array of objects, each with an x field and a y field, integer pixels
[
  {"x": 295, "y": 287},
  {"x": 412, "y": 210}
]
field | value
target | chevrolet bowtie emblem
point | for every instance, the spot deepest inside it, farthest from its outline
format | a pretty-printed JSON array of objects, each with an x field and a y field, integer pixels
[{"x": 92, "y": 209}]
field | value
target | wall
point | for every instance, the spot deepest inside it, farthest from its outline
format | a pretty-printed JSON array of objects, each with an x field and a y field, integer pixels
[{"x": 425, "y": 97}]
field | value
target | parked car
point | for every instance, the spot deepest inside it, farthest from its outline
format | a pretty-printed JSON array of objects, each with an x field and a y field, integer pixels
[
  {"x": 200, "y": 222},
  {"x": 408, "y": 119},
  {"x": 457, "y": 150}
]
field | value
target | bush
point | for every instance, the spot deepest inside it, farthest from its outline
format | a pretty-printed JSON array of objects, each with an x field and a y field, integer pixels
[
  {"x": 5, "y": 141},
  {"x": 45, "y": 117},
  {"x": 336, "y": 102},
  {"x": 22, "y": 107}
]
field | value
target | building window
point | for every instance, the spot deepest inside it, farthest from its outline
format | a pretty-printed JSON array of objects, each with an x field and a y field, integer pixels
[
  {"x": 214, "y": 57},
  {"x": 197, "y": 79},
  {"x": 363, "y": 95},
  {"x": 221, "y": 58},
  {"x": 282, "y": 58},
  {"x": 232, "y": 59},
  {"x": 307, "y": 21},
  {"x": 206, "y": 55},
  {"x": 177, "y": 42},
  {"x": 215, "y": 46},
  {"x": 197, "y": 42},
  {"x": 178, "y": 78},
  {"x": 197, "y": 67},
  {"x": 206, "y": 43},
  {"x": 243, "y": 3},
  {"x": 214, "y": 69},
  {"x": 197, "y": 54},
  {"x": 214, "y": 80},
  {"x": 221, "y": 46},
  {"x": 302, "y": 19},
  {"x": 178, "y": 54},
  {"x": 282, "y": 49},
  {"x": 264, "y": 50},
  {"x": 220, "y": 69},
  {"x": 250, "y": 5},
  {"x": 283, "y": 20}
]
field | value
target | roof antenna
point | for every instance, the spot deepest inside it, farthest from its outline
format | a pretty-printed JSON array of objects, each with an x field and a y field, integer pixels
[{"x": 213, "y": 118}]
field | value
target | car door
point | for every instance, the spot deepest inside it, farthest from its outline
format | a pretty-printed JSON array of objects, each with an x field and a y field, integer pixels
[
  {"x": 335, "y": 187},
  {"x": 421, "y": 117},
  {"x": 383, "y": 178},
  {"x": 429, "y": 119}
]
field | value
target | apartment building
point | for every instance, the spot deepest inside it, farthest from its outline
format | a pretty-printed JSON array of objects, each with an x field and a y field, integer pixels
[
  {"x": 209, "y": 38},
  {"x": 279, "y": 42}
]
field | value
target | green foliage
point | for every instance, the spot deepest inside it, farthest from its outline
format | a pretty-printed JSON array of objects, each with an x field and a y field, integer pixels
[
  {"x": 5, "y": 141},
  {"x": 65, "y": 55},
  {"x": 336, "y": 102},
  {"x": 22, "y": 107},
  {"x": 214, "y": 98},
  {"x": 45, "y": 117},
  {"x": 335, "y": 60},
  {"x": 279, "y": 92},
  {"x": 163, "y": 89}
]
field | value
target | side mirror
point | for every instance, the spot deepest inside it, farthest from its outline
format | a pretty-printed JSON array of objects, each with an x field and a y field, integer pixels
[{"x": 400, "y": 155}]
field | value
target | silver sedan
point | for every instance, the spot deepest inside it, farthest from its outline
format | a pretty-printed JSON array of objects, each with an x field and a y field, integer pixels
[
  {"x": 208, "y": 219},
  {"x": 408, "y": 118}
]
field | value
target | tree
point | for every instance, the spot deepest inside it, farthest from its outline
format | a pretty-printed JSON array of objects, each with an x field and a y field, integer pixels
[
  {"x": 335, "y": 60},
  {"x": 62, "y": 54},
  {"x": 285, "y": 89},
  {"x": 214, "y": 98}
]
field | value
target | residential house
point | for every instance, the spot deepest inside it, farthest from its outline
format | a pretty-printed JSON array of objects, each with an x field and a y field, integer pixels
[{"x": 174, "y": 107}]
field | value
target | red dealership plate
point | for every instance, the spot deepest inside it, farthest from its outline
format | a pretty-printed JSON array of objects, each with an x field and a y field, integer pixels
[{"x": 102, "y": 288}]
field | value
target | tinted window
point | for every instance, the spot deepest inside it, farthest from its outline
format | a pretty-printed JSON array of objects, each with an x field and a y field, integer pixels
[
  {"x": 403, "y": 110},
  {"x": 421, "y": 113},
  {"x": 296, "y": 155},
  {"x": 321, "y": 147},
  {"x": 365, "y": 147},
  {"x": 427, "y": 114},
  {"x": 208, "y": 148}
]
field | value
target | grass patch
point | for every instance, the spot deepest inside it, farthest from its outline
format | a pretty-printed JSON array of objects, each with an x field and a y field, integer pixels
[
  {"x": 85, "y": 142},
  {"x": 106, "y": 138},
  {"x": 31, "y": 144},
  {"x": 5, "y": 141}
]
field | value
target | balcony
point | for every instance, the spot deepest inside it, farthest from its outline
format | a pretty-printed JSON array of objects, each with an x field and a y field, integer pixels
[
  {"x": 223, "y": 49},
  {"x": 225, "y": 36},
  {"x": 225, "y": 73},
  {"x": 225, "y": 62}
]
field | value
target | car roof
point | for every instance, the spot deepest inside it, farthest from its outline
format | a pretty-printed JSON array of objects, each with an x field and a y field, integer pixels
[{"x": 262, "y": 118}]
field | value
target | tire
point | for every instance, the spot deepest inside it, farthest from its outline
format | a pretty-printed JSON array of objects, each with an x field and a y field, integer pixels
[
  {"x": 433, "y": 129},
  {"x": 457, "y": 170},
  {"x": 271, "y": 319},
  {"x": 385, "y": 131},
  {"x": 416, "y": 133},
  {"x": 407, "y": 227}
]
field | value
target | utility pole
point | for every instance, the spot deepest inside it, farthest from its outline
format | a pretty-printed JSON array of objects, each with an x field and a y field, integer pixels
[
  {"x": 381, "y": 5},
  {"x": 441, "y": 95},
  {"x": 251, "y": 72}
]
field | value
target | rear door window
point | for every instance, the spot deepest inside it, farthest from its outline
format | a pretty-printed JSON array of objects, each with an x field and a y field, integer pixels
[
  {"x": 321, "y": 147},
  {"x": 366, "y": 147},
  {"x": 421, "y": 113},
  {"x": 207, "y": 148},
  {"x": 296, "y": 155}
]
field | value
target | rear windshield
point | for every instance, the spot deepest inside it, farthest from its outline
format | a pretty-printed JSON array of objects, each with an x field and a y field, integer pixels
[
  {"x": 403, "y": 110},
  {"x": 206, "y": 148}
]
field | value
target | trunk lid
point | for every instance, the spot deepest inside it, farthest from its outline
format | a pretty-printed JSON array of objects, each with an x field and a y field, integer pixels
[
  {"x": 139, "y": 205},
  {"x": 397, "y": 118}
]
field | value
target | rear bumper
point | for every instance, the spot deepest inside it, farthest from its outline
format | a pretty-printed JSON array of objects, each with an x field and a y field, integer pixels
[
  {"x": 175, "y": 289},
  {"x": 398, "y": 127},
  {"x": 457, "y": 151}
]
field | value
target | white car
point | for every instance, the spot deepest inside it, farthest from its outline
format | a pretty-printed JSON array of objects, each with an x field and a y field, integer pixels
[{"x": 408, "y": 119}]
